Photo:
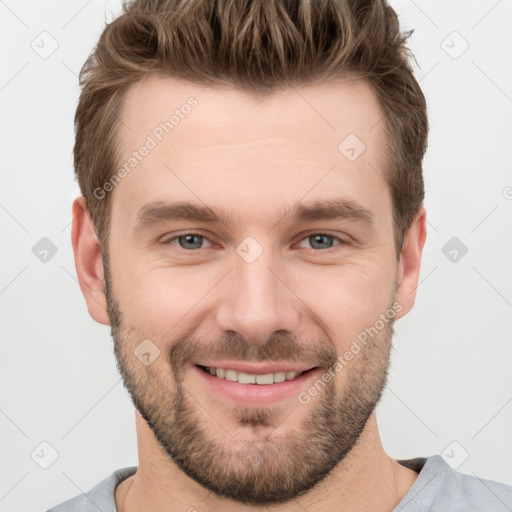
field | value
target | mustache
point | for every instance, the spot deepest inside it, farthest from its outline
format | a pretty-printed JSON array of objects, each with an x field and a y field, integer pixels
[{"x": 278, "y": 348}]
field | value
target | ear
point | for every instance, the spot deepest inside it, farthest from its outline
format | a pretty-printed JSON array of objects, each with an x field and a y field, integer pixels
[
  {"x": 88, "y": 262},
  {"x": 410, "y": 261}
]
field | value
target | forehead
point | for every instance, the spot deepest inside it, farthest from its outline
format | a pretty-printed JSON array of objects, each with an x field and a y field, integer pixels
[
  {"x": 332, "y": 107},
  {"x": 215, "y": 144}
]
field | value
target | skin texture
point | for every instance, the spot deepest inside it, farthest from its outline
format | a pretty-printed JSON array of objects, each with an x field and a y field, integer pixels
[{"x": 300, "y": 300}]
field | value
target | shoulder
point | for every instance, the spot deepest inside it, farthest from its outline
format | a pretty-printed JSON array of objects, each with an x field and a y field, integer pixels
[
  {"x": 101, "y": 497},
  {"x": 440, "y": 488},
  {"x": 479, "y": 493}
]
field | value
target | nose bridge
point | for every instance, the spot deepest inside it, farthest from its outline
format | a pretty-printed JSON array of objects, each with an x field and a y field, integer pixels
[{"x": 257, "y": 303}]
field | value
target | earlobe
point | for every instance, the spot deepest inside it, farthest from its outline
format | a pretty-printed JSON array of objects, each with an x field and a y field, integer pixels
[
  {"x": 410, "y": 262},
  {"x": 88, "y": 262}
]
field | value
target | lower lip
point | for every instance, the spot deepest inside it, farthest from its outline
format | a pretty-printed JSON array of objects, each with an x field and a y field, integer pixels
[{"x": 256, "y": 394}]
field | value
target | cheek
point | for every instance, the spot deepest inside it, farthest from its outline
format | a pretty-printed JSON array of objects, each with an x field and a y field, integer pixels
[
  {"x": 161, "y": 301},
  {"x": 348, "y": 299}
]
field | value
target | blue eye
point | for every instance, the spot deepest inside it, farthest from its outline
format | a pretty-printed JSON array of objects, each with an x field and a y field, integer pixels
[
  {"x": 322, "y": 240},
  {"x": 189, "y": 241}
]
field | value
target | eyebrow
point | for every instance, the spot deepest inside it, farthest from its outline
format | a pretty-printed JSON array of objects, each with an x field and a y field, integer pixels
[
  {"x": 331, "y": 210},
  {"x": 159, "y": 212}
]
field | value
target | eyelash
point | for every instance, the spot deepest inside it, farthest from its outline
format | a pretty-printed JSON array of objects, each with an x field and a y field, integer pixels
[{"x": 176, "y": 237}]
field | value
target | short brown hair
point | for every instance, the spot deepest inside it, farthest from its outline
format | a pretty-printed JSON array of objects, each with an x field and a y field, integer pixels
[{"x": 256, "y": 46}]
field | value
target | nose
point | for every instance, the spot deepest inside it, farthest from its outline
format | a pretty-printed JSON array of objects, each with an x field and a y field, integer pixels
[{"x": 257, "y": 302}]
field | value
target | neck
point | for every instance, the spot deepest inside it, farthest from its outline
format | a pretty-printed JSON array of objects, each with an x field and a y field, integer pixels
[{"x": 367, "y": 479}]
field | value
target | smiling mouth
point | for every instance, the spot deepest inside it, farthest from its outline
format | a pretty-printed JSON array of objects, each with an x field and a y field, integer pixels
[{"x": 251, "y": 378}]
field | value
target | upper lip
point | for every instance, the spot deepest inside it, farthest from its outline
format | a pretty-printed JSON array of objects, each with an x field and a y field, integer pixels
[{"x": 255, "y": 368}]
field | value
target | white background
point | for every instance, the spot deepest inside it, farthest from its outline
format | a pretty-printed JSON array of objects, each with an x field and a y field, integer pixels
[{"x": 451, "y": 377}]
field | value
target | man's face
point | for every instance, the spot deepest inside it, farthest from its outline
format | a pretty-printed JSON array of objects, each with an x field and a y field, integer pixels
[{"x": 259, "y": 287}]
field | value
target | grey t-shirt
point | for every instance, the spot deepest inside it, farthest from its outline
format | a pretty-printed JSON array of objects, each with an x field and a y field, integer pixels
[{"x": 438, "y": 488}]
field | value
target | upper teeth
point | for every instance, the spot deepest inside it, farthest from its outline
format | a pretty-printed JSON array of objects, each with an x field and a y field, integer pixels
[{"x": 250, "y": 378}]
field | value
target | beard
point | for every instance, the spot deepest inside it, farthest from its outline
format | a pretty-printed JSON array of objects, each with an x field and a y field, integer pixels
[{"x": 265, "y": 468}]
